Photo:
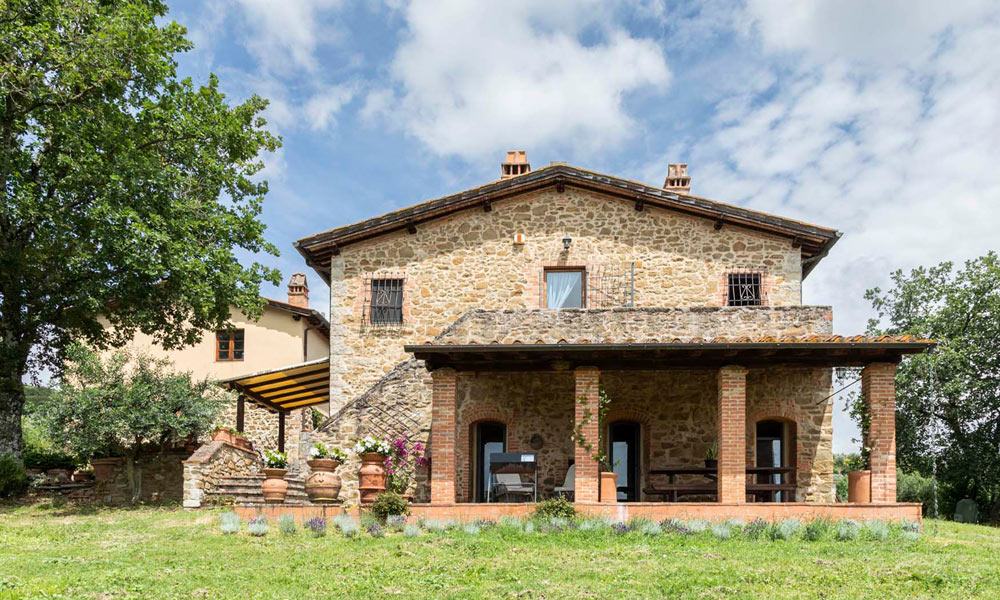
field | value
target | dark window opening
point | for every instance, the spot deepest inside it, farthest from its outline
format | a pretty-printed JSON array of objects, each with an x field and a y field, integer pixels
[
  {"x": 490, "y": 438},
  {"x": 745, "y": 289},
  {"x": 386, "y": 302},
  {"x": 564, "y": 288},
  {"x": 624, "y": 458},
  {"x": 772, "y": 449},
  {"x": 229, "y": 345}
]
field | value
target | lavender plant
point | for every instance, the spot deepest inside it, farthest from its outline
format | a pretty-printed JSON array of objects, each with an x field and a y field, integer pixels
[
  {"x": 317, "y": 525},
  {"x": 257, "y": 527},
  {"x": 286, "y": 524},
  {"x": 230, "y": 523}
]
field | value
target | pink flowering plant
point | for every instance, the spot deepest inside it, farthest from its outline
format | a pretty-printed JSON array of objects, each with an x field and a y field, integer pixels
[{"x": 404, "y": 457}]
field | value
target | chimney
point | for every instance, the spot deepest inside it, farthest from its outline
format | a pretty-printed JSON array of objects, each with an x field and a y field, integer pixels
[
  {"x": 515, "y": 164},
  {"x": 678, "y": 179},
  {"x": 298, "y": 291}
]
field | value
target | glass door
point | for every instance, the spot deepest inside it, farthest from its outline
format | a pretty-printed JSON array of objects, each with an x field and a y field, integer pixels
[
  {"x": 490, "y": 438},
  {"x": 624, "y": 456}
]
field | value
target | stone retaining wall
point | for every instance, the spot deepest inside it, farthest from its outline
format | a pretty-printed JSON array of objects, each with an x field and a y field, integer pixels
[{"x": 211, "y": 462}]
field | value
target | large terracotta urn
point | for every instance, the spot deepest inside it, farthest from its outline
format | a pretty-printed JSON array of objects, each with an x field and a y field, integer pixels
[
  {"x": 859, "y": 487},
  {"x": 609, "y": 487},
  {"x": 323, "y": 484},
  {"x": 104, "y": 468},
  {"x": 274, "y": 487},
  {"x": 371, "y": 477}
]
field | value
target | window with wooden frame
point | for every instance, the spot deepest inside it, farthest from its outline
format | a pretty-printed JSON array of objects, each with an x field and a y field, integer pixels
[
  {"x": 745, "y": 288},
  {"x": 229, "y": 345},
  {"x": 383, "y": 303},
  {"x": 565, "y": 287}
]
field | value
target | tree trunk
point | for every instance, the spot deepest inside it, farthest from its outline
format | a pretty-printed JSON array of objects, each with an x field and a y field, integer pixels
[
  {"x": 11, "y": 406},
  {"x": 133, "y": 473}
]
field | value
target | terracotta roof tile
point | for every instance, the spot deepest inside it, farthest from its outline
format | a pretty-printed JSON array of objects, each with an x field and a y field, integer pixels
[{"x": 767, "y": 339}]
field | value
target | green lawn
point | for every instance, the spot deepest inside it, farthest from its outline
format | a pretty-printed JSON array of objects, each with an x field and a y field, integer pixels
[{"x": 169, "y": 553}]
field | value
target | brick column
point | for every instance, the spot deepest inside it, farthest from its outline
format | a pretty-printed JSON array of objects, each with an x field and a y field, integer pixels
[
  {"x": 586, "y": 401},
  {"x": 732, "y": 436},
  {"x": 878, "y": 386},
  {"x": 443, "y": 436}
]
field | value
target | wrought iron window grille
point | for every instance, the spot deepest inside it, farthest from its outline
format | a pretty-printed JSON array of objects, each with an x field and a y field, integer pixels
[
  {"x": 606, "y": 286},
  {"x": 383, "y": 301},
  {"x": 745, "y": 287}
]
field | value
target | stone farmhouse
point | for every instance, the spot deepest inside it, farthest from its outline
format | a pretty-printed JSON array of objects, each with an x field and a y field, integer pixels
[{"x": 494, "y": 320}]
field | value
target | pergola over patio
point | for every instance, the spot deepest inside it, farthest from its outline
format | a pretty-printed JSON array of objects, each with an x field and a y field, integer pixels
[
  {"x": 878, "y": 357},
  {"x": 282, "y": 390}
]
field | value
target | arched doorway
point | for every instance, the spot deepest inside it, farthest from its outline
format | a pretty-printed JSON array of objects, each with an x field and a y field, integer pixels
[
  {"x": 623, "y": 453},
  {"x": 488, "y": 437},
  {"x": 775, "y": 447}
]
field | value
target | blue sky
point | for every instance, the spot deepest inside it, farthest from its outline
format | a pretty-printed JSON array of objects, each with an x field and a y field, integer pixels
[{"x": 880, "y": 119}]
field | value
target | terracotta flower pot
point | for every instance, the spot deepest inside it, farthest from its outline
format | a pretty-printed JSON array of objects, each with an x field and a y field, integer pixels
[
  {"x": 371, "y": 477},
  {"x": 104, "y": 468},
  {"x": 241, "y": 441},
  {"x": 223, "y": 435},
  {"x": 859, "y": 487},
  {"x": 609, "y": 487},
  {"x": 323, "y": 485},
  {"x": 274, "y": 487},
  {"x": 81, "y": 476}
]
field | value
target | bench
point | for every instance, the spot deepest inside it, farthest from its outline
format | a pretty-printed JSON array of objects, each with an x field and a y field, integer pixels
[{"x": 676, "y": 490}]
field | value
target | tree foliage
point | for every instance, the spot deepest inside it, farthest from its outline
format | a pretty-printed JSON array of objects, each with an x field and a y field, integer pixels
[
  {"x": 125, "y": 405},
  {"x": 961, "y": 309},
  {"x": 126, "y": 190}
]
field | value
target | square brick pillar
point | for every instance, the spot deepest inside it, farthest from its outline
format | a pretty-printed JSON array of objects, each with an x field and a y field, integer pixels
[
  {"x": 732, "y": 437},
  {"x": 586, "y": 401},
  {"x": 443, "y": 436},
  {"x": 878, "y": 387}
]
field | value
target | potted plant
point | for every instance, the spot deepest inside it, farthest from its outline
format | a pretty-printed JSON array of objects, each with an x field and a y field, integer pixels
[
  {"x": 275, "y": 487},
  {"x": 323, "y": 484},
  {"x": 712, "y": 456},
  {"x": 859, "y": 480},
  {"x": 230, "y": 436},
  {"x": 373, "y": 475},
  {"x": 104, "y": 468}
]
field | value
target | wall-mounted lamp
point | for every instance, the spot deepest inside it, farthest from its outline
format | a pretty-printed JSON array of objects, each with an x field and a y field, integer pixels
[{"x": 566, "y": 242}]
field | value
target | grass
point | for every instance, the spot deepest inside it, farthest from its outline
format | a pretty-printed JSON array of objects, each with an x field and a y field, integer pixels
[{"x": 169, "y": 553}]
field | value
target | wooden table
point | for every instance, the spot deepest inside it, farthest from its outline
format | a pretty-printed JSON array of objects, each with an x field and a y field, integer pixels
[{"x": 673, "y": 489}]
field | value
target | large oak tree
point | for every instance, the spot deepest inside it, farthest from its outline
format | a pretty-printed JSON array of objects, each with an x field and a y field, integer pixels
[{"x": 126, "y": 190}]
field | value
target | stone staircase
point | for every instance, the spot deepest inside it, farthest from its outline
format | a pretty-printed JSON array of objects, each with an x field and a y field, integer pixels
[{"x": 245, "y": 489}]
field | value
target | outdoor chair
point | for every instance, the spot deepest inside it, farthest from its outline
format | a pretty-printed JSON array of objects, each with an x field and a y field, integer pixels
[
  {"x": 509, "y": 484},
  {"x": 568, "y": 488}
]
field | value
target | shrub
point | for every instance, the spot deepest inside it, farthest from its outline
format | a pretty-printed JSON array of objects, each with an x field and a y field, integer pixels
[
  {"x": 471, "y": 529},
  {"x": 649, "y": 528},
  {"x": 698, "y": 526},
  {"x": 348, "y": 526},
  {"x": 555, "y": 507},
  {"x": 593, "y": 525},
  {"x": 376, "y": 530},
  {"x": 736, "y": 524},
  {"x": 557, "y": 524},
  {"x": 411, "y": 531},
  {"x": 848, "y": 529},
  {"x": 620, "y": 528},
  {"x": 507, "y": 522},
  {"x": 388, "y": 504},
  {"x": 529, "y": 527},
  {"x": 317, "y": 525},
  {"x": 13, "y": 480},
  {"x": 286, "y": 524},
  {"x": 257, "y": 527},
  {"x": 48, "y": 459},
  {"x": 816, "y": 530},
  {"x": 230, "y": 523},
  {"x": 675, "y": 526},
  {"x": 434, "y": 526},
  {"x": 396, "y": 522},
  {"x": 909, "y": 530},
  {"x": 757, "y": 529},
  {"x": 914, "y": 487},
  {"x": 722, "y": 531},
  {"x": 876, "y": 530},
  {"x": 785, "y": 529}
]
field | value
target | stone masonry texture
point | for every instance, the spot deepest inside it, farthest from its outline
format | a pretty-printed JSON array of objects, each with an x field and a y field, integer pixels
[{"x": 465, "y": 281}]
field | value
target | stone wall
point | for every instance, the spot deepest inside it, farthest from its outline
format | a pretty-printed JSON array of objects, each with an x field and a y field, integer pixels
[
  {"x": 261, "y": 427},
  {"x": 469, "y": 261},
  {"x": 636, "y": 325},
  {"x": 160, "y": 480},
  {"x": 211, "y": 462}
]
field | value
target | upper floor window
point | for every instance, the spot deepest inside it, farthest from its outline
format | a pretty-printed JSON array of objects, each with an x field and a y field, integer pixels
[
  {"x": 565, "y": 288},
  {"x": 386, "y": 302},
  {"x": 745, "y": 289},
  {"x": 229, "y": 344}
]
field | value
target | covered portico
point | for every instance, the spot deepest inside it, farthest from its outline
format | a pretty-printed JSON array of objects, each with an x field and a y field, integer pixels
[{"x": 723, "y": 364}]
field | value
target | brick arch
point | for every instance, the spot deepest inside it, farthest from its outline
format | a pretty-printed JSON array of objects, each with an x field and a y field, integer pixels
[
  {"x": 644, "y": 419},
  {"x": 465, "y": 454}
]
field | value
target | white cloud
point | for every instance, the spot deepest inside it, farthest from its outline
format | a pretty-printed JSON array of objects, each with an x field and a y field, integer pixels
[
  {"x": 478, "y": 77},
  {"x": 323, "y": 106},
  {"x": 284, "y": 35}
]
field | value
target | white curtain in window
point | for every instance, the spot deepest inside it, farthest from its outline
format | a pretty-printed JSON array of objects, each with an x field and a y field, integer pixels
[{"x": 564, "y": 289}]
